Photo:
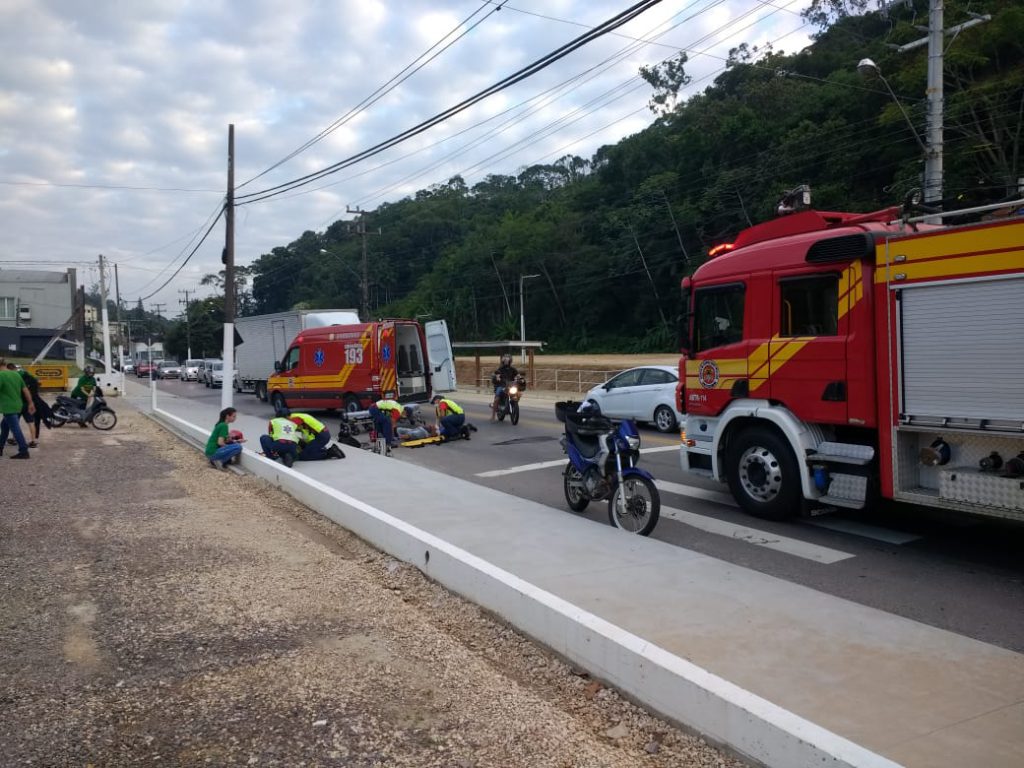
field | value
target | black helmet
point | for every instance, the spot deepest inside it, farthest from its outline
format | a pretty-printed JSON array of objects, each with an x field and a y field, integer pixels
[
  {"x": 89, "y": 370},
  {"x": 437, "y": 398},
  {"x": 506, "y": 359},
  {"x": 589, "y": 408}
]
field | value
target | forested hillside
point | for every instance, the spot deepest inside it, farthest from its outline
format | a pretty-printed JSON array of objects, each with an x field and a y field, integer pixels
[{"x": 609, "y": 237}]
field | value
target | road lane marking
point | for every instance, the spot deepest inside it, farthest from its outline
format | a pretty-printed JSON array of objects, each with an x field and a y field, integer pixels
[
  {"x": 806, "y": 550},
  {"x": 888, "y": 535},
  {"x": 697, "y": 493},
  {"x": 557, "y": 463}
]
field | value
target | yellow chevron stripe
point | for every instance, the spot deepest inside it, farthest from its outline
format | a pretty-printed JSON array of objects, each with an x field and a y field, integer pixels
[{"x": 346, "y": 370}]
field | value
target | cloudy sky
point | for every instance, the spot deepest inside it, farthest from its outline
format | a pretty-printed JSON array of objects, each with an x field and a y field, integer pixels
[{"x": 114, "y": 113}]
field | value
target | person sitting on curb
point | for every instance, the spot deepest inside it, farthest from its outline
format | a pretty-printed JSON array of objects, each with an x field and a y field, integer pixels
[
  {"x": 281, "y": 441},
  {"x": 451, "y": 418},
  {"x": 221, "y": 447},
  {"x": 314, "y": 438},
  {"x": 385, "y": 414}
]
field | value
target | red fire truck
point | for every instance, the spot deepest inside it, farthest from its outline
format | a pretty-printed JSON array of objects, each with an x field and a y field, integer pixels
[{"x": 836, "y": 357}]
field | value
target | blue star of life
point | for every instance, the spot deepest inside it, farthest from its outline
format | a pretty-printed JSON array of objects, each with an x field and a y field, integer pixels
[
  {"x": 318, "y": 357},
  {"x": 385, "y": 354}
]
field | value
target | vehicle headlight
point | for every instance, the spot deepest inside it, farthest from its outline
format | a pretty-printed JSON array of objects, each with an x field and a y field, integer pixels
[
  {"x": 513, "y": 390},
  {"x": 633, "y": 441}
]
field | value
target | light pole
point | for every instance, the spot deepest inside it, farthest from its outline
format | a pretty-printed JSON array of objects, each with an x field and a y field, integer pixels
[
  {"x": 522, "y": 314},
  {"x": 933, "y": 150}
]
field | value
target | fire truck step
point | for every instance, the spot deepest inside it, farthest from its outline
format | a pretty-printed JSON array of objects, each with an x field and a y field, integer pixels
[
  {"x": 842, "y": 453},
  {"x": 850, "y": 491}
]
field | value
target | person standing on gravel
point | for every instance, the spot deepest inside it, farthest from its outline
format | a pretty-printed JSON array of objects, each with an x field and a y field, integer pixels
[
  {"x": 13, "y": 397},
  {"x": 221, "y": 448}
]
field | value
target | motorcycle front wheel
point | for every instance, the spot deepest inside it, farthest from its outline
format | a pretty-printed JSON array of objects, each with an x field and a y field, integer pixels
[
  {"x": 575, "y": 496},
  {"x": 513, "y": 412},
  {"x": 105, "y": 419},
  {"x": 635, "y": 506},
  {"x": 59, "y": 416}
]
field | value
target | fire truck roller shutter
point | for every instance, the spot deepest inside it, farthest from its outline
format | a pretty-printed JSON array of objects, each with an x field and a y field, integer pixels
[{"x": 962, "y": 349}]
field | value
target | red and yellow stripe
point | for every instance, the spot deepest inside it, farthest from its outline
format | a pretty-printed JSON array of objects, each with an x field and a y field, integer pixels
[{"x": 959, "y": 253}]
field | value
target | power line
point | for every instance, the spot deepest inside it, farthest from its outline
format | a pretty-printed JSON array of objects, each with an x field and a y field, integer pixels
[
  {"x": 207, "y": 234},
  {"x": 531, "y": 69}
]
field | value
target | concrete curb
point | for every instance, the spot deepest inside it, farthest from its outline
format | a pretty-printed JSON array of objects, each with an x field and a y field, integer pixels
[{"x": 675, "y": 688}]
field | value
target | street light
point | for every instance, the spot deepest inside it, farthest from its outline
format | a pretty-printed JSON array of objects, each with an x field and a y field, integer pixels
[
  {"x": 522, "y": 315},
  {"x": 932, "y": 154}
]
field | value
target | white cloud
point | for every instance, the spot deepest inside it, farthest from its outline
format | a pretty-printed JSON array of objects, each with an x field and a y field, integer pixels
[{"x": 139, "y": 94}]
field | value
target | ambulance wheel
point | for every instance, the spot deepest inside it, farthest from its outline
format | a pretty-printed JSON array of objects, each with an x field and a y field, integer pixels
[
  {"x": 763, "y": 474},
  {"x": 261, "y": 391},
  {"x": 352, "y": 403},
  {"x": 277, "y": 400}
]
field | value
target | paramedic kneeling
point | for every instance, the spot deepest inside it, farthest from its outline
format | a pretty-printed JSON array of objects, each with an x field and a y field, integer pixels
[
  {"x": 385, "y": 413},
  {"x": 450, "y": 416},
  {"x": 313, "y": 435}
]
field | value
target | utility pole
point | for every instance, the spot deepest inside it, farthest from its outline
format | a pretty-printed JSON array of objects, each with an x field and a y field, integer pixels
[
  {"x": 935, "y": 92},
  {"x": 361, "y": 231},
  {"x": 188, "y": 324},
  {"x": 227, "y": 389},
  {"x": 120, "y": 327},
  {"x": 105, "y": 316}
]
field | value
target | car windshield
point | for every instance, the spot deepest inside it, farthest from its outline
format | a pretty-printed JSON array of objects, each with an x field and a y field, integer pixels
[
  {"x": 168, "y": 365},
  {"x": 218, "y": 366}
]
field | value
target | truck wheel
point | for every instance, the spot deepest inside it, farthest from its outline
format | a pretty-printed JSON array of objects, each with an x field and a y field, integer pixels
[
  {"x": 261, "y": 391},
  {"x": 763, "y": 474},
  {"x": 277, "y": 400}
]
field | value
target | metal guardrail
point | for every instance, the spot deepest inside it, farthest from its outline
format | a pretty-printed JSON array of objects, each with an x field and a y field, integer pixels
[{"x": 560, "y": 379}]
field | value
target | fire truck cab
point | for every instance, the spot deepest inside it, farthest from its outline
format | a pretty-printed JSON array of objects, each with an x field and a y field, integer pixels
[{"x": 834, "y": 357}]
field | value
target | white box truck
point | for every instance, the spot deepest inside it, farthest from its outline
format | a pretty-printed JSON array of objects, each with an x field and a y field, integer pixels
[{"x": 265, "y": 339}]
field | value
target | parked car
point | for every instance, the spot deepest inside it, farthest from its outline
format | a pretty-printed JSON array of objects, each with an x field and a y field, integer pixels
[
  {"x": 190, "y": 370},
  {"x": 214, "y": 373},
  {"x": 167, "y": 369},
  {"x": 128, "y": 367},
  {"x": 647, "y": 393},
  {"x": 144, "y": 368}
]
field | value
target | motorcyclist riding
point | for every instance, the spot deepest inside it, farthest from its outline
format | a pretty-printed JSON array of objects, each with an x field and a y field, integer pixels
[
  {"x": 86, "y": 384},
  {"x": 503, "y": 376}
]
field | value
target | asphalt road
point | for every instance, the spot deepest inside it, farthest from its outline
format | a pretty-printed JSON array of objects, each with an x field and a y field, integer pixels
[{"x": 962, "y": 574}]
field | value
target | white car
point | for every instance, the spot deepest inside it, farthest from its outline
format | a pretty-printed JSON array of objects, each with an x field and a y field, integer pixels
[
  {"x": 647, "y": 393},
  {"x": 190, "y": 370}
]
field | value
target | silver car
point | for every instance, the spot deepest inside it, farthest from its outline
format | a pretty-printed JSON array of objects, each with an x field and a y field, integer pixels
[
  {"x": 190, "y": 370},
  {"x": 214, "y": 372}
]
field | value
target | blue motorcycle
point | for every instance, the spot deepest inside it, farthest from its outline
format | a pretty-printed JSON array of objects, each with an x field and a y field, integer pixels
[{"x": 603, "y": 455}]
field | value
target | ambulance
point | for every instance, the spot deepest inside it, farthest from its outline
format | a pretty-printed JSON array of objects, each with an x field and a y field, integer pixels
[{"x": 353, "y": 365}]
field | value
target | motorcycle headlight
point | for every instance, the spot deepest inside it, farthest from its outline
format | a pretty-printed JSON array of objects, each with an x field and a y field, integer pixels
[
  {"x": 513, "y": 390},
  {"x": 633, "y": 441}
]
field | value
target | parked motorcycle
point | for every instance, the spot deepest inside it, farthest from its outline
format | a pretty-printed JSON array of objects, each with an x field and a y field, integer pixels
[
  {"x": 66, "y": 410},
  {"x": 508, "y": 400},
  {"x": 602, "y": 465}
]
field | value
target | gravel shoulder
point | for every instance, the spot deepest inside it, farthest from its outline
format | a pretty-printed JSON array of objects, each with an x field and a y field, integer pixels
[{"x": 155, "y": 610}]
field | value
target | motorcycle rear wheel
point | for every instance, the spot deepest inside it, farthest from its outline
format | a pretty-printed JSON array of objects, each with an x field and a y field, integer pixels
[
  {"x": 104, "y": 419},
  {"x": 572, "y": 485},
  {"x": 59, "y": 417},
  {"x": 635, "y": 506},
  {"x": 513, "y": 412}
]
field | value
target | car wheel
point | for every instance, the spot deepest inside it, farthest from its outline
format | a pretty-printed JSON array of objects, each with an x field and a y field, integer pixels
[{"x": 664, "y": 419}]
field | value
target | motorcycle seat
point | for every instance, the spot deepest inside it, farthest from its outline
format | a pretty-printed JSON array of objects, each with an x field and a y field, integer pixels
[{"x": 586, "y": 437}]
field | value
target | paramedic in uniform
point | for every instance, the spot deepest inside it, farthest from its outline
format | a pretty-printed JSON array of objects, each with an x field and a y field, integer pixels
[
  {"x": 281, "y": 440},
  {"x": 451, "y": 418},
  {"x": 315, "y": 438},
  {"x": 385, "y": 414}
]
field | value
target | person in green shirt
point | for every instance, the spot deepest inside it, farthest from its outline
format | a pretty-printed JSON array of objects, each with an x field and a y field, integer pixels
[
  {"x": 221, "y": 448},
  {"x": 13, "y": 397},
  {"x": 86, "y": 384}
]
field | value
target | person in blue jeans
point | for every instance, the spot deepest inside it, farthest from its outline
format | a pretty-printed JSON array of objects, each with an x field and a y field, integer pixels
[
  {"x": 14, "y": 395},
  {"x": 221, "y": 448}
]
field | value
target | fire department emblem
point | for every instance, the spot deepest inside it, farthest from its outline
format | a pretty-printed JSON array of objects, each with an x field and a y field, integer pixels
[
  {"x": 708, "y": 374},
  {"x": 318, "y": 357}
]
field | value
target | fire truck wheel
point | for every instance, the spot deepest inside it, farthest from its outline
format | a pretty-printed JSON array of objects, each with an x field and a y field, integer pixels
[{"x": 763, "y": 474}]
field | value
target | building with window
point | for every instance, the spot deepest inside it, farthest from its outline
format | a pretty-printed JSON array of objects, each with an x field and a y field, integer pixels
[{"x": 33, "y": 304}]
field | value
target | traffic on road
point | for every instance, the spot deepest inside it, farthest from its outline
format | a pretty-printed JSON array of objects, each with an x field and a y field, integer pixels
[{"x": 953, "y": 572}]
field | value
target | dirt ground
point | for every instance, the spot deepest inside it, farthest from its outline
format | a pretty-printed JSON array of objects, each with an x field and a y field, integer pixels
[{"x": 158, "y": 611}]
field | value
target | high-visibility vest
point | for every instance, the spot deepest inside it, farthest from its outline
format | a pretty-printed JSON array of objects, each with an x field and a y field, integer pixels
[
  {"x": 451, "y": 405},
  {"x": 312, "y": 425},
  {"x": 283, "y": 429}
]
